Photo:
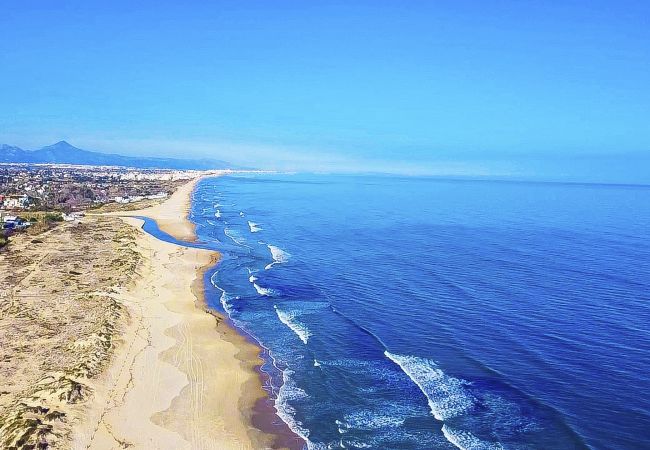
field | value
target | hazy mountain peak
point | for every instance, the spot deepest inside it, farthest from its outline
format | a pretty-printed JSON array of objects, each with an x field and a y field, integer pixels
[
  {"x": 9, "y": 153},
  {"x": 61, "y": 145},
  {"x": 63, "y": 152}
]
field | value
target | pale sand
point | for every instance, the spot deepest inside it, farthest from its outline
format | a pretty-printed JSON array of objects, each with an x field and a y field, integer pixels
[
  {"x": 171, "y": 215},
  {"x": 181, "y": 377}
]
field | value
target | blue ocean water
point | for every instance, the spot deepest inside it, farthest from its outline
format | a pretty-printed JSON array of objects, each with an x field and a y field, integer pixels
[{"x": 413, "y": 313}]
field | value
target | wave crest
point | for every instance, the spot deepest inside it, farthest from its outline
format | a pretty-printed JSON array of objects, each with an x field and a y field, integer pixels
[
  {"x": 254, "y": 227},
  {"x": 266, "y": 292},
  {"x": 465, "y": 440},
  {"x": 447, "y": 396},
  {"x": 279, "y": 256},
  {"x": 234, "y": 236},
  {"x": 289, "y": 319}
]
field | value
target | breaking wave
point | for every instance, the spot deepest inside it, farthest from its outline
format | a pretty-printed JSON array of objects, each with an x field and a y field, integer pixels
[
  {"x": 368, "y": 420},
  {"x": 447, "y": 396},
  {"x": 289, "y": 319},
  {"x": 465, "y": 440},
  {"x": 289, "y": 391},
  {"x": 254, "y": 227},
  {"x": 266, "y": 292},
  {"x": 279, "y": 256},
  {"x": 225, "y": 299},
  {"x": 234, "y": 236}
]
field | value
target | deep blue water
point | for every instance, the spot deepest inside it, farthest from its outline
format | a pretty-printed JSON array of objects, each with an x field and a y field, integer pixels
[{"x": 415, "y": 313}]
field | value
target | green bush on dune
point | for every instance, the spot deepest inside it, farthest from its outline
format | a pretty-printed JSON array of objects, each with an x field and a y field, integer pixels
[{"x": 53, "y": 217}]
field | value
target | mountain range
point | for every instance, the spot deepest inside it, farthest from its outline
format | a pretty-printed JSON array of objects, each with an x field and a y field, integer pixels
[{"x": 65, "y": 153}]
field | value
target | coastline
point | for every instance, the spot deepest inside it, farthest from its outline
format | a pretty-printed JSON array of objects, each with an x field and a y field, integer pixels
[
  {"x": 182, "y": 376},
  {"x": 172, "y": 214}
]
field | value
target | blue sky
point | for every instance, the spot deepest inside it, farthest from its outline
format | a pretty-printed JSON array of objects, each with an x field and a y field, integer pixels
[{"x": 502, "y": 88}]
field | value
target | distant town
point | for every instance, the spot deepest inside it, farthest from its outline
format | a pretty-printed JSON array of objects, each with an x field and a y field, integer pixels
[
  {"x": 32, "y": 193},
  {"x": 71, "y": 188}
]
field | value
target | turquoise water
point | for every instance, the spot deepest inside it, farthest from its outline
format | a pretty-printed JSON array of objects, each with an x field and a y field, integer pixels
[{"x": 425, "y": 313}]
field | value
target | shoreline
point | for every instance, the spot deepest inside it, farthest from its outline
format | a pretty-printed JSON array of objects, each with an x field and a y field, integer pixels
[
  {"x": 211, "y": 358},
  {"x": 172, "y": 214}
]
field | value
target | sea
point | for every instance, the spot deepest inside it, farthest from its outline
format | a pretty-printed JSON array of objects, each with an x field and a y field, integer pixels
[{"x": 428, "y": 313}]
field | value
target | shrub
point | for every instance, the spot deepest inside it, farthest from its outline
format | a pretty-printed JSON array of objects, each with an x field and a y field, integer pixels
[{"x": 53, "y": 217}]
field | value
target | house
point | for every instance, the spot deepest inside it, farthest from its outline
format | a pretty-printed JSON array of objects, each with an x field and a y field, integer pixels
[
  {"x": 16, "y": 201},
  {"x": 157, "y": 196},
  {"x": 73, "y": 216}
]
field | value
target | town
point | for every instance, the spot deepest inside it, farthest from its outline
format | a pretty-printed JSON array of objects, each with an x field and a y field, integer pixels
[{"x": 32, "y": 193}]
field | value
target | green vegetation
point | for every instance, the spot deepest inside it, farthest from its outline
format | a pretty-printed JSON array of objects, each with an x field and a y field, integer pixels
[
  {"x": 53, "y": 217},
  {"x": 40, "y": 220}
]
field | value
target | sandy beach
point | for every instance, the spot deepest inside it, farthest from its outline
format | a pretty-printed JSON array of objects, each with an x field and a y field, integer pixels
[
  {"x": 171, "y": 215},
  {"x": 181, "y": 377}
]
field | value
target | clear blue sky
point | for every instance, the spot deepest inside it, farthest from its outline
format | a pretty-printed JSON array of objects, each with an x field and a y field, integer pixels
[{"x": 519, "y": 88}]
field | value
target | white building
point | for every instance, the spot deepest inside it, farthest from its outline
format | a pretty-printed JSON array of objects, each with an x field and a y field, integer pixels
[{"x": 16, "y": 202}]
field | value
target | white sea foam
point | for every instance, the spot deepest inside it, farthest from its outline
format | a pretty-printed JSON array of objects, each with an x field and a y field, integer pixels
[
  {"x": 226, "y": 303},
  {"x": 370, "y": 420},
  {"x": 217, "y": 214},
  {"x": 234, "y": 236},
  {"x": 465, "y": 440},
  {"x": 254, "y": 227},
  {"x": 266, "y": 292},
  {"x": 289, "y": 318},
  {"x": 362, "y": 367},
  {"x": 241, "y": 213},
  {"x": 225, "y": 299},
  {"x": 279, "y": 256},
  {"x": 288, "y": 392},
  {"x": 447, "y": 396},
  {"x": 261, "y": 290},
  {"x": 316, "y": 363},
  {"x": 355, "y": 444}
]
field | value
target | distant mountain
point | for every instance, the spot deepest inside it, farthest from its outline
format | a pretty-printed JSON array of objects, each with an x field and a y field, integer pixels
[
  {"x": 64, "y": 153},
  {"x": 9, "y": 153}
]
